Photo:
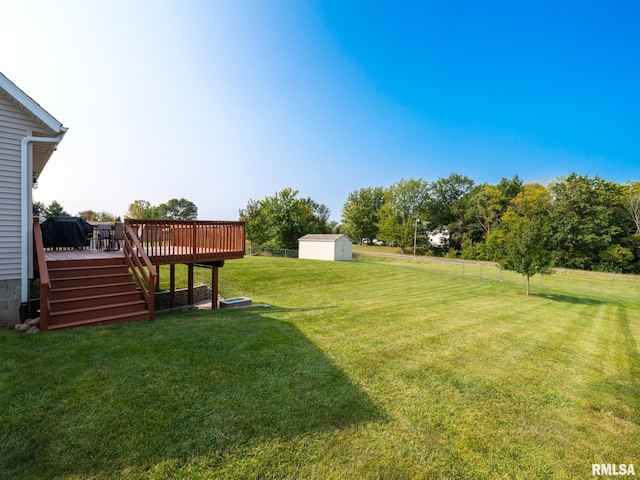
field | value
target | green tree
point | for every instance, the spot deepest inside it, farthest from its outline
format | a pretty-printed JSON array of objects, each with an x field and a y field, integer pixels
[
  {"x": 510, "y": 188},
  {"x": 177, "y": 209},
  {"x": 446, "y": 205},
  {"x": 104, "y": 216},
  {"x": 174, "y": 209},
  {"x": 278, "y": 221},
  {"x": 55, "y": 210},
  {"x": 88, "y": 215},
  {"x": 404, "y": 203},
  {"x": 523, "y": 238},
  {"x": 483, "y": 209},
  {"x": 589, "y": 216},
  {"x": 315, "y": 216},
  {"x": 485, "y": 206},
  {"x": 38, "y": 208},
  {"x": 141, "y": 210},
  {"x": 255, "y": 223},
  {"x": 93, "y": 216},
  {"x": 616, "y": 258},
  {"x": 361, "y": 213},
  {"x": 632, "y": 197}
]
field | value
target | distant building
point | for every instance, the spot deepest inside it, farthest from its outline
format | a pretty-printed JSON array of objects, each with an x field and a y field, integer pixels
[
  {"x": 438, "y": 238},
  {"x": 325, "y": 247}
]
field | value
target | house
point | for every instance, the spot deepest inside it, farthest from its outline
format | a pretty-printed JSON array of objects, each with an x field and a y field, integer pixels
[
  {"x": 324, "y": 247},
  {"x": 28, "y": 137},
  {"x": 438, "y": 238},
  {"x": 101, "y": 282}
]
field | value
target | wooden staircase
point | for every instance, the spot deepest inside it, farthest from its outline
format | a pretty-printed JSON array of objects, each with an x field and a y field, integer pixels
[{"x": 93, "y": 291}]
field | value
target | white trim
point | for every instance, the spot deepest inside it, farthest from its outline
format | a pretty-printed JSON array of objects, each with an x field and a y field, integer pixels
[
  {"x": 26, "y": 169},
  {"x": 31, "y": 105}
]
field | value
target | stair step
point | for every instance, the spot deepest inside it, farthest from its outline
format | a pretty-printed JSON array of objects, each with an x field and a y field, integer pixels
[
  {"x": 97, "y": 300},
  {"x": 85, "y": 290},
  {"x": 66, "y": 316},
  {"x": 86, "y": 262},
  {"x": 87, "y": 271},
  {"x": 106, "y": 320},
  {"x": 70, "y": 282},
  {"x": 93, "y": 291}
]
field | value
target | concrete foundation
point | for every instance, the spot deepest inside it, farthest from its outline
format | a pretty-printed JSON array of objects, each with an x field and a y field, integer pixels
[
  {"x": 163, "y": 299},
  {"x": 10, "y": 293}
]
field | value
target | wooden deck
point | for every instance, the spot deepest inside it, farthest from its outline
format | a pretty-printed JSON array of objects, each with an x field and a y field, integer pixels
[
  {"x": 157, "y": 254},
  {"x": 197, "y": 241},
  {"x": 168, "y": 242},
  {"x": 82, "y": 254},
  {"x": 90, "y": 285}
]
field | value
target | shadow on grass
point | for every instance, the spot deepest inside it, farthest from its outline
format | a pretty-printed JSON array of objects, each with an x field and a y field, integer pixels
[
  {"x": 570, "y": 299},
  {"x": 194, "y": 384},
  {"x": 624, "y": 387}
]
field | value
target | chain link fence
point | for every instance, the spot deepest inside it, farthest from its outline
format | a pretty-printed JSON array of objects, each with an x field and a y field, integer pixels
[
  {"x": 589, "y": 285},
  {"x": 257, "y": 251},
  {"x": 575, "y": 283}
]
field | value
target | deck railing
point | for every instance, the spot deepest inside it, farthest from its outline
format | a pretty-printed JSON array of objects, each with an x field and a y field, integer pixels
[
  {"x": 141, "y": 267},
  {"x": 41, "y": 265},
  {"x": 189, "y": 241}
]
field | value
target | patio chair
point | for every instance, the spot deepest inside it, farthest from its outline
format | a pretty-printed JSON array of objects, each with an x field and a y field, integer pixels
[{"x": 118, "y": 236}]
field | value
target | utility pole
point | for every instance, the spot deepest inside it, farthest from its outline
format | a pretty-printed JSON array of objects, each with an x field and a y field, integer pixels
[{"x": 415, "y": 234}]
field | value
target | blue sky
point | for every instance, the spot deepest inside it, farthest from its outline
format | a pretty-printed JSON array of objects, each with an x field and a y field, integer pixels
[{"x": 225, "y": 101}]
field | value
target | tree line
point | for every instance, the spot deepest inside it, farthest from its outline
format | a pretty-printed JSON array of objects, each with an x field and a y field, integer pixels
[
  {"x": 580, "y": 222},
  {"x": 174, "y": 209},
  {"x": 575, "y": 221}
]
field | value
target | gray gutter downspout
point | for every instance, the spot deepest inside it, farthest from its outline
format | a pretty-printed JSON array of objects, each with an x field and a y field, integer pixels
[{"x": 26, "y": 161}]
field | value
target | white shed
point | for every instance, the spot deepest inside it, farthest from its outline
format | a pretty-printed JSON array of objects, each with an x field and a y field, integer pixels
[{"x": 324, "y": 247}]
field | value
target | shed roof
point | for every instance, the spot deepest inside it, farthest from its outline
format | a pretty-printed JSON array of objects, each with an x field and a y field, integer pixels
[{"x": 322, "y": 237}]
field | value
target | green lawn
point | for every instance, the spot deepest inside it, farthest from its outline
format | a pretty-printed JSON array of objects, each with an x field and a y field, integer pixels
[
  {"x": 376, "y": 249},
  {"x": 363, "y": 369}
]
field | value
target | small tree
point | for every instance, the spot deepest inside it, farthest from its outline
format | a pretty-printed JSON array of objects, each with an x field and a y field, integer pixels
[
  {"x": 361, "y": 213},
  {"x": 404, "y": 202},
  {"x": 278, "y": 221},
  {"x": 55, "y": 210},
  {"x": 255, "y": 223},
  {"x": 38, "y": 208},
  {"x": 93, "y": 216},
  {"x": 141, "y": 209},
  {"x": 523, "y": 238},
  {"x": 88, "y": 215},
  {"x": 177, "y": 209}
]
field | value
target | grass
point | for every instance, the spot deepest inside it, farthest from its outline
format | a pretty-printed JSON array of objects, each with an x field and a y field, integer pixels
[
  {"x": 376, "y": 249},
  {"x": 360, "y": 370}
]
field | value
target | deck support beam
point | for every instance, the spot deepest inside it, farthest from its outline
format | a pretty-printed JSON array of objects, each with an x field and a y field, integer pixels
[
  {"x": 172, "y": 283},
  {"x": 190, "y": 284},
  {"x": 214, "y": 286}
]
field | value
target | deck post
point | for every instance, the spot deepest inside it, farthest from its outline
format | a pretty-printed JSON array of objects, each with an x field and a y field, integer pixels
[
  {"x": 214, "y": 287},
  {"x": 190, "y": 281},
  {"x": 172, "y": 282},
  {"x": 195, "y": 239}
]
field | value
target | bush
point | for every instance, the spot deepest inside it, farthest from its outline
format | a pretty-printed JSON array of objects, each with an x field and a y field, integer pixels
[{"x": 616, "y": 258}]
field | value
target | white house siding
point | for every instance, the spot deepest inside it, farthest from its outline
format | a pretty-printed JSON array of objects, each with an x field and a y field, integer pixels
[{"x": 15, "y": 124}]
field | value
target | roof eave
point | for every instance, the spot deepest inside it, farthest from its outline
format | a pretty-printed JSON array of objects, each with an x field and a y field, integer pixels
[{"x": 32, "y": 106}]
